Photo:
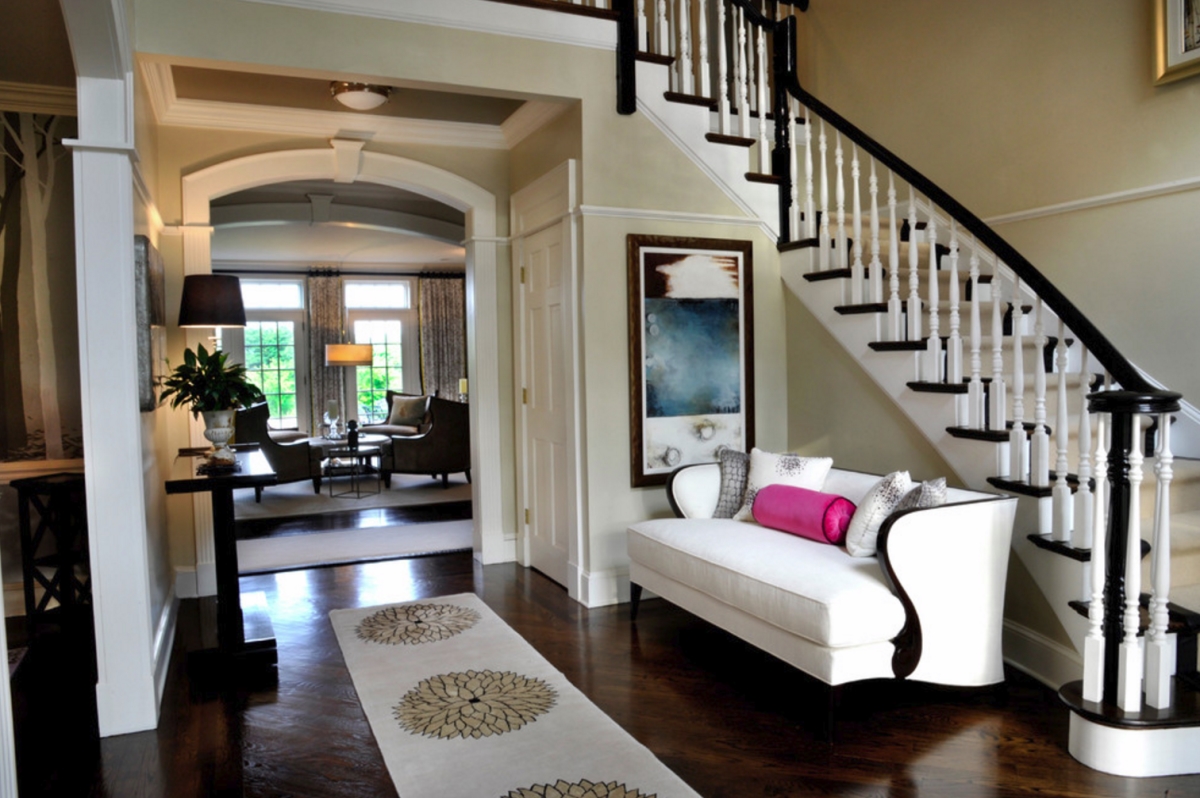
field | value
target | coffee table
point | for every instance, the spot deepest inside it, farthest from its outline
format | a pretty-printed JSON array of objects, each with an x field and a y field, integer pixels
[{"x": 358, "y": 466}]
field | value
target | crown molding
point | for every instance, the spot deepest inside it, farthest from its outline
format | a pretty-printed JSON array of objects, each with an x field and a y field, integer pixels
[
  {"x": 169, "y": 110},
  {"x": 529, "y": 118},
  {"x": 33, "y": 98},
  {"x": 479, "y": 16}
]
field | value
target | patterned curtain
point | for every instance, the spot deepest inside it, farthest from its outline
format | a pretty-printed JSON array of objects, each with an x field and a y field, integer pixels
[
  {"x": 442, "y": 303},
  {"x": 326, "y": 314}
]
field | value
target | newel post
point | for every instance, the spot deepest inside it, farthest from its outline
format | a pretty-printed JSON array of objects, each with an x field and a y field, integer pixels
[
  {"x": 1122, "y": 406},
  {"x": 627, "y": 47},
  {"x": 783, "y": 67}
]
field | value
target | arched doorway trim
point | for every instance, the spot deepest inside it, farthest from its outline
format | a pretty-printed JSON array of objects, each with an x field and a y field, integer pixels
[{"x": 345, "y": 162}]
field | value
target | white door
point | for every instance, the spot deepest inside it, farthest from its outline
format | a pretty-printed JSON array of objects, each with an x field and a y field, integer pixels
[{"x": 546, "y": 451}]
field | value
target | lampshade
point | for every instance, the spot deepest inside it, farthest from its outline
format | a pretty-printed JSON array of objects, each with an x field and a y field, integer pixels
[
  {"x": 348, "y": 354},
  {"x": 212, "y": 300},
  {"x": 359, "y": 96}
]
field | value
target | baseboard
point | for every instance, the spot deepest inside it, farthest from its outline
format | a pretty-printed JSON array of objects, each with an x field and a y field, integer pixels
[
  {"x": 186, "y": 582},
  {"x": 1046, "y": 660},
  {"x": 603, "y": 588},
  {"x": 164, "y": 642}
]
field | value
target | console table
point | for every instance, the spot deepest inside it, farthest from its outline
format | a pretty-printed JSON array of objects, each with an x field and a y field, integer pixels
[{"x": 245, "y": 639}]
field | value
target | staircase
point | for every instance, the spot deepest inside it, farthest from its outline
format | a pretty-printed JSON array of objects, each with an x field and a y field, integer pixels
[{"x": 1017, "y": 389}]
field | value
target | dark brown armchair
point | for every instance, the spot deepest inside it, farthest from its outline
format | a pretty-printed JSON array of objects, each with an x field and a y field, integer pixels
[
  {"x": 444, "y": 448},
  {"x": 291, "y": 461}
]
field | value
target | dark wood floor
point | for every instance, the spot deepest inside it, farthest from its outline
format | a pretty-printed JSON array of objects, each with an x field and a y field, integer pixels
[{"x": 728, "y": 719}]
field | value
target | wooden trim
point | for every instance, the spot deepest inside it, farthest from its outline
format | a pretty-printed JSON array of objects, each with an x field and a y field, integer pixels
[
  {"x": 564, "y": 8},
  {"x": 736, "y": 141}
]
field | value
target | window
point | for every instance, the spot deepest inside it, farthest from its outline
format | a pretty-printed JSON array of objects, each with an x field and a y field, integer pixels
[
  {"x": 273, "y": 347},
  {"x": 380, "y": 313}
]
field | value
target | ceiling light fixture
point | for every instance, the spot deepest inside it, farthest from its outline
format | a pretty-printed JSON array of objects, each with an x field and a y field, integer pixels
[{"x": 359, "y": 96}]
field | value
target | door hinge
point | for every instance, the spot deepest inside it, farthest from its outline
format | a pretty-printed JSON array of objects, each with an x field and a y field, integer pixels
[{"x": 526, "y": 516}]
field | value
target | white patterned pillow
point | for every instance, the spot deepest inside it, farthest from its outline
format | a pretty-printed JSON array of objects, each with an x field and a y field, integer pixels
[
  {"x": 931, "y": 493},
  {"x": 781, "y": 469},
  {"x": 881, "y": 500},
  {"x": 735, "y": 469}
]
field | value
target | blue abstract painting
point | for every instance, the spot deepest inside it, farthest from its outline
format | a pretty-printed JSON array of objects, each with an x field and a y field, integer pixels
[{"x": 693, "y": 357}]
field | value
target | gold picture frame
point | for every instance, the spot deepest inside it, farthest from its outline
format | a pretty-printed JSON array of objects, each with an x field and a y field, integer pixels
[{"x": 1177, "y": 45}]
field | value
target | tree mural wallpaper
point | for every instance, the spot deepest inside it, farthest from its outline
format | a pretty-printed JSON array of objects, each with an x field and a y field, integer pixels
[{"x": 40, "y": 415}]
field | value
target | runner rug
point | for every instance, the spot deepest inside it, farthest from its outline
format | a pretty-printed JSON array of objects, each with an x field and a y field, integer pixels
[{"x": 462, "y": 707}]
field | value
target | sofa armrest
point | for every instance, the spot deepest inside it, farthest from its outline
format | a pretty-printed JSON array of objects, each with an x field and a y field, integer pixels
[
  {"x": 948, "y": 566},
  {"x": 693, "y": 490}
]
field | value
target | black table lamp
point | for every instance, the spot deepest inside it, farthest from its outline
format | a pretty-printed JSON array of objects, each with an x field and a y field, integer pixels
[{"x": 212, "y": 300}]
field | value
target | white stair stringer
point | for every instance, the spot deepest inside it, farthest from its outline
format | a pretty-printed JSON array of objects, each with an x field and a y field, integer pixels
[
  {"x": 686, "y": 125},
  {"x": 1061, "y": 579}
]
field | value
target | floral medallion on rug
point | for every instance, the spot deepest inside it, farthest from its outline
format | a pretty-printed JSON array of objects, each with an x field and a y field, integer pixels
[{"x": 462, "y": 707}]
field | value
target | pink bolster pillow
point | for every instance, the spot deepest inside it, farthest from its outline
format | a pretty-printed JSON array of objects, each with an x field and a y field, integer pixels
[{"x": 822, "y": 517}]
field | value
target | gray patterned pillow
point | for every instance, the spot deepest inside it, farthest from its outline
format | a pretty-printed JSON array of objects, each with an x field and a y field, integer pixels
[
  {"x": 928, "y": 494},
  {"x": 781, "y": 469},
  {"x": 873, "y": 510},
  {"x": 735, "y": 468}
]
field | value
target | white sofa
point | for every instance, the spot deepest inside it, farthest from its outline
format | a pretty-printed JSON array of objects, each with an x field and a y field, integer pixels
[{"x": 928, "y": 607}]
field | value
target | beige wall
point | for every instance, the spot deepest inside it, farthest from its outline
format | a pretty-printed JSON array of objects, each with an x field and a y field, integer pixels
[{"x": 1022, "y": 104}]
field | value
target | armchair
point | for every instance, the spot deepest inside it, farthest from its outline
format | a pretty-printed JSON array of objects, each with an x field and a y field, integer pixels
[
  {"x": 444, "y": 448},
  {"x": 292, "y": 461}
]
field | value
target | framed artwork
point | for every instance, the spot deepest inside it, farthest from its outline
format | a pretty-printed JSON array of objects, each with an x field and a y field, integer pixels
[
  {"x": 691, "y": 354},
  {"x": 150, "y": 307},
  {"x": 1177, "y": 29}
]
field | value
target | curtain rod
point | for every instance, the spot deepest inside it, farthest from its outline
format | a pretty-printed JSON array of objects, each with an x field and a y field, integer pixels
[{"x": 307, "y": 272}]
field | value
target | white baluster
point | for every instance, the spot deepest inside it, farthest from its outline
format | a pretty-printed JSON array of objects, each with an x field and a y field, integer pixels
[
  {"x": 1064, "y": 503},
  {"x": 1018, "y": 451},
  {"x": 839, "y": 163},
  {"x": 702, "y": 38},
  {"x": 1081, "y": 536},
  {"x": 743, "y": 77},
  {"x": 895, "y": 306},
  {"x": 663, "y": 29},
  {"x": 914, "y": 278},
  {"x": 810, "y": 208},
  {"x": 856, "y": 267},
  {"x": 764, "y": 146},
  {"x": 1093, "y": 644},
  {"x": 643, "y": 29},
  {"x": 932, "y": 371},
  {"x": 1039, "y": 442},
  {"x": 684, "y": 62},
  {"x": 876, "y": 267},
  {"x": 954, "y": 349},
  {"x": 998, "y": 390},
  {"x": 723, "y": 88},
  {"x": 1129, "y": 671},
  {"x": 1160, "y": 646},
  {"x": 975, "y": 414},
  {"x": 823, "y": 243}
]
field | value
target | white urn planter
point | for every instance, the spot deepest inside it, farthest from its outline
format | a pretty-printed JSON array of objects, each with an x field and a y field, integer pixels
[{"x": 218, "y": 429}]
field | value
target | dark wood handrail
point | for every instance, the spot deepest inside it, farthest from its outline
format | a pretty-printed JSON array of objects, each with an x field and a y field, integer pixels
[{"x": 1097, "y": 343}]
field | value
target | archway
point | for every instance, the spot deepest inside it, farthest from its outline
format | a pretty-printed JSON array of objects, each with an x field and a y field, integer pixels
[{"x": 344, "y": 162}]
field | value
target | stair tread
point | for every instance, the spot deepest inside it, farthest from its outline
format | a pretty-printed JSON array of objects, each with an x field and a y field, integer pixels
[{"x": 1183, "y": 712}]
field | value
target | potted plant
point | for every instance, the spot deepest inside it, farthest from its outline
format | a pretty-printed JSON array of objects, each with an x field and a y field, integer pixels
[{"x": 211, "y": 388}]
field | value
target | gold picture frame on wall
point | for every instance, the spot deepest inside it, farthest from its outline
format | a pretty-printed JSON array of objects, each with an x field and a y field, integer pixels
[{"x": 1177, "y": 46}]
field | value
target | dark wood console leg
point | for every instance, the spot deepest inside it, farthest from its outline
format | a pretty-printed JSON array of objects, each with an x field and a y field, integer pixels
[
  {"x": 635, "y": 598},
  {"x": 258, "y": 494},
  {"x": 317, "y": 485}
]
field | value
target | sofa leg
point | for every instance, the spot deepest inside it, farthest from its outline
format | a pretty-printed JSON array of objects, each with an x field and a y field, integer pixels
[
  {"x": 258, "y": 494},
  {"x": 832, "y": 699},
  {"x": 317, "y": 485},
  {"x": 635, "y": 598},
  {"x": 445, "y": 481}
]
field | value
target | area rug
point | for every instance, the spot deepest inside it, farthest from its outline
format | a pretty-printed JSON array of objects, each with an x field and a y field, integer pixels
[
  {"x": 297, "y": 498},
  {"x": 462, "y": 706},
  {"x": 352, "y": 545}
]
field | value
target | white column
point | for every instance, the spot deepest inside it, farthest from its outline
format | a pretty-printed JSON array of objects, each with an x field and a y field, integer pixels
[
  {"x": 764, "y": 145},
  {"x": 1018, "y": 448},
  {"x": 702, "y": 38},
  {"x": 914, "y": 265},
  {"x": 723, "y": 87},
  {"x": 932, "y": 372},
  {"x": 684, "y": 62},
  {"x": 810, "y": 208},
  {"x": 1039, "y": 442},
  {"x": 126, "y": 698},
  {"x": 839, "y": 163},
  {"x": 856, "y": 266},
  {"x": 894, "y": 304},
  {"x": 483, "y": 359},
  {"x": 997, "y": 391},
  {"x": 823, "y": 243},
  {"x": 975, "y": 414},
  {"x": 795, "y": 215},
  {"x": 876, "y": 267},
  {"x": 1081, "y": 533}
]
